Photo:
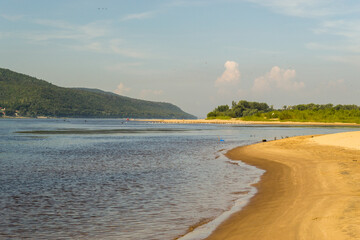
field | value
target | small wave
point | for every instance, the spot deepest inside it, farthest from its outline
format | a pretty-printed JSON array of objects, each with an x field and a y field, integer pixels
[{"x": 204, "y": 229}]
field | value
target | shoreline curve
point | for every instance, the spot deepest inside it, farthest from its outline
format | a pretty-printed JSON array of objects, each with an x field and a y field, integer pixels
[{"x": 310, "y": 190}]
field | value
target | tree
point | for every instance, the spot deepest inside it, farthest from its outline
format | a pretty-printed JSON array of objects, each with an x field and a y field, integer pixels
[{"x": 222, "y": 108}]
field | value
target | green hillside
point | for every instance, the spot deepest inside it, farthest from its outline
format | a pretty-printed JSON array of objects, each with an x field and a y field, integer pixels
[{"x": 27, "y": 96}]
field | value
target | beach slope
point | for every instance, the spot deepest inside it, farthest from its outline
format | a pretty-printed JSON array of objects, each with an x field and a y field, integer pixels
[{"x": 310, "y": 190}]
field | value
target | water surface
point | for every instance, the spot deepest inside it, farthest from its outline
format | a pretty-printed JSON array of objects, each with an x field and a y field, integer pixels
[{"x": 112, "y": 179}]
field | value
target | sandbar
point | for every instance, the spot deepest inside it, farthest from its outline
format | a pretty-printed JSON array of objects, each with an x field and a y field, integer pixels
[
  {"x": 310, "y": 190},
  {"x": 242, "y": 122}
]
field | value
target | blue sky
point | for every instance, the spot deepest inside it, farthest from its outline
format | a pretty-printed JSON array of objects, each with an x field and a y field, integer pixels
[{"x": 196, "y": 54}]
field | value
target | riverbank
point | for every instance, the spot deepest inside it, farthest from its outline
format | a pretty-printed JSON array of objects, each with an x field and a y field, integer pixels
[
  {"x": 310, "y": 190},
  {"x": 242, "y": 122}
]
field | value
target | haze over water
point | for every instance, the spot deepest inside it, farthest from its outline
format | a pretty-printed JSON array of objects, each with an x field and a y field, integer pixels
[{"x": 112, "y": 179}]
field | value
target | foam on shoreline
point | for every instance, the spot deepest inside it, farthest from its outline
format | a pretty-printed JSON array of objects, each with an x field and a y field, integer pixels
[{"x": 204, "y": 230}]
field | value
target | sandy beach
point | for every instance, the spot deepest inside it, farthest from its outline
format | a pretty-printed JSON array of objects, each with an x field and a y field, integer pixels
[{"x": 311, "y": 190}]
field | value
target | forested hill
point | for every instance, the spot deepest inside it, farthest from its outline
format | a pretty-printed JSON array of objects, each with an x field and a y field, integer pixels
[{"x": 27, "y": 96}]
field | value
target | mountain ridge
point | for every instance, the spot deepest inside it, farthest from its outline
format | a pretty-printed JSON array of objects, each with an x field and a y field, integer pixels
[{"x": 24, "y": 95}]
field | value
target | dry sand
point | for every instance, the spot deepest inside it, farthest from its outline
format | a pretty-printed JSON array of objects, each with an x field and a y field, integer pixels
[
  {"x": 349, "y": 140},
  {"x": 311, "y": 190}
]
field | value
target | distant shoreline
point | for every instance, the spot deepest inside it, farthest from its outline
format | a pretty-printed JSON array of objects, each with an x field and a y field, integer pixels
[
  {"x": 242, "y": 122},
  {"x": 309, "y": 190},
  {"x": 204, "y": 121}
]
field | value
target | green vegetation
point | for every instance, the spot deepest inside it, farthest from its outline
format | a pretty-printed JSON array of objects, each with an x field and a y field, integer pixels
[
  {"x": 241, "y": 109},
  {"x": 252, "y": 111},
  {"x": 22, "y": 95}
]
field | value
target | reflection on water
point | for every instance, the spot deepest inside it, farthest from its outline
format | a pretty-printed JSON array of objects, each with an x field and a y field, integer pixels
[{"x": 105, "y": 179}]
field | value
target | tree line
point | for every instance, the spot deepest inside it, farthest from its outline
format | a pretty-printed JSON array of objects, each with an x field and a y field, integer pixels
[
  {"x": 254, "y": 111},
  {"x": 241, "y": 109}
]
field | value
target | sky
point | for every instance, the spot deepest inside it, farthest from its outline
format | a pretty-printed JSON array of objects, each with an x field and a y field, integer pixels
[{"x": 196, "y": 54}]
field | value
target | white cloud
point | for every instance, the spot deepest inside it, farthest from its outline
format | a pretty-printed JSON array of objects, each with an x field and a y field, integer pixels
[
  {"x": 12, "y": 18},
  {"x": 58, "y": 29},
  {"x": 349, "y": 28},
  {"x": 230, "y": 76},
  {"x": 112, "y": 46},
  {"x": 117, "y": 46},
  {"x": 191, "y": 3},
  {"x": 277, "y": 78},
  {"x": 95, "y": 46},
  {"x": 348, "y": 48},
  {"x": 121, "y": 89},
  {"x": 54, "y": 23},
  {"x": 138, "y": 16},
  {"x": 127, "y": 52},
  {"x": 334, "y": 17},
  {"x": 95, "y": 29},
  {"x": 94, "y": 36},
  {"x": 310, "y": 8}
]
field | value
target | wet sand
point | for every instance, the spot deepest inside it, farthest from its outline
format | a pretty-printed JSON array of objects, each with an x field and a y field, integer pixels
[{"x": 311, "y": 190}]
